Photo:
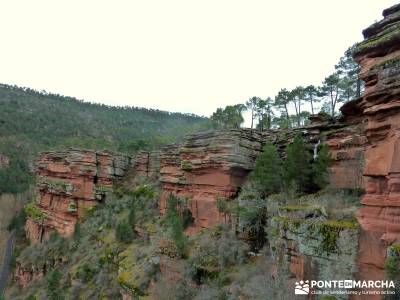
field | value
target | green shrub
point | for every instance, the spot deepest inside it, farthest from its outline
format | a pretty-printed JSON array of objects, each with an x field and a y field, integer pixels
[
  {"x": 124, "y": 232},
  {"x": 34, "y": 212},
  {"x": 297, "y": 167},
  {"x": 267, "y": 173},
  {"x": 214, "y": 254},
  {"x": 175, "y": 224},
  {"x": 85, "y": 273},
  {"x": 77, "y": 232},
  {"x": 53, "y": 286},
  {"x": 132, "y": 215},
  {"x": 187, "y": 218},
  {"x": 392, "y": 263},
  {"x": 178, "y": 235}
]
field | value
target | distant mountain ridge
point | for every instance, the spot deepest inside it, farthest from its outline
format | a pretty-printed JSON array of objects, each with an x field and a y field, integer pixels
[{"x": 33, "y": 121}]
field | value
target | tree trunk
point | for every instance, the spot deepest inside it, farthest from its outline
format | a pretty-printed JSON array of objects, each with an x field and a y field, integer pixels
[
  {"x": 252, "y": 117},
  {"x": 287, "y": 117},
  {"x": 312, "y": 105},
  {"x": 358, "y": 92}
]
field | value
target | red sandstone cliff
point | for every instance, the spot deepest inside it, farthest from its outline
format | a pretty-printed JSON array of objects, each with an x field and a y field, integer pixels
[
  {"x": 69, "y": 182},
  {"x": 207, "y": 166},
  {"x": 146, "y": 164},
  {"x": 379, "y": 57}
]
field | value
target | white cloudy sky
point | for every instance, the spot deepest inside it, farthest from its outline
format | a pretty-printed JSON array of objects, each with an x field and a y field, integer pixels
[{"x": 176, "y": 55}]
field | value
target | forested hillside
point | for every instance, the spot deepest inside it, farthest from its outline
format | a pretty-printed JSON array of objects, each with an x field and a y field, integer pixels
[{"x": 32, "y": 121}]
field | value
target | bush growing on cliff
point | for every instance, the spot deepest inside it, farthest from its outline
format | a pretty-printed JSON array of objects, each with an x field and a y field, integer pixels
[
  {"x": 214, "y": 253},
  {"x": 175, "y": 224},
  {"x": 124, "y": 232},
  {"x": 297, "y": 168}
]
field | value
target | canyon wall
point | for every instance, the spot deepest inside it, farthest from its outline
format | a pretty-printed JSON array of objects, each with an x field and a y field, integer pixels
[
  {"x": 69, "y": 183},
  {"x": 201, "y": 169},
  {"x": 379, "y": 58},
  {"x": 207, "y": 166},
  {"x": 146, "y": 164}
]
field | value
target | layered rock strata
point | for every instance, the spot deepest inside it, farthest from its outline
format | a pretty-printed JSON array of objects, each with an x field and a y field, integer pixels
[
  {"x": 208, "y": 166},
  {"x": 69, "y": 183},
  {"x": 379, "y": 58},
  {"x": 146, "y": 164},
  {"x": 211, "y": 165}
]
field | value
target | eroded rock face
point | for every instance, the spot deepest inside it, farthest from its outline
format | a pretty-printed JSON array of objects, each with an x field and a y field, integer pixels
[
  {"x": 212, "y": 165},
  {"x": 146, "y": 164},
  {"x": 70, "y": 182},
  {"x": 24, "y": 276},
  {"x": 313, "y": 247},
  {"x": 207, "y": 166},
  {"x": 379, "y": 58}
]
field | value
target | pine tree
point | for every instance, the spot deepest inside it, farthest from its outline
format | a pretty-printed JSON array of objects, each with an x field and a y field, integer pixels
[
  {"x": 297, "y": 167},
  {"x": 175, "y": 224},
  {"x": 268, "y": 171},
  {"x": 53, "y": 286},
  {"x": 320, "y": 167},
  {"x": 124, "y": 232}
]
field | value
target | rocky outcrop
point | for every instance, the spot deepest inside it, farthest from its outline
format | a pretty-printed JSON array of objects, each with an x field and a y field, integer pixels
[
  {"x": 4, "y": 161},
  {"x": 379, "y": 58},
  {"x": 146, "y": 164},
  {"x": 347, "y": 146},
  {"x": 208, "y": 166},
  {"x": 69, "y": 183},
  {"x": 25, "y": 276},
  {"x": 312, "y": 246},
  {"x": 211, "y": 165}
]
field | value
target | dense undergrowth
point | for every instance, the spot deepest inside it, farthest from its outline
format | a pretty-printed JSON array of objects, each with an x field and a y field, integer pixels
[{"x": 124, "y": 247}]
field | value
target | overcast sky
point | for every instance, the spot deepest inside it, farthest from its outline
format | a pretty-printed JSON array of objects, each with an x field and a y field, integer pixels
[{"x": 187, "y": 56}]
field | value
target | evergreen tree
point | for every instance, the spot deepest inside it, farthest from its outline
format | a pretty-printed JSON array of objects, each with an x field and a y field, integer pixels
[
  {"x": 296, "y": 96},
  {"x": 348, "y": 69},
  {"x": 53, "y": 286},
  {"x": 331, "y": 89},
  {"x": 77, "y": 232},
  {"x": 264, "y": 113},
  {"x": 320, "y": 167},
  {"x": 132, "y": 215},
  {"x": 175, "y": 224},
  {"x": 124, "y": 232},
  {"x": 282, "y": 101},
  {"x": 252, "y": 104},
  {"x": 312, "y": 93},
  {"x": 228, "y": 117},
  {"x": 267, "y": 173},
  {"x": 297, "y": 167}
]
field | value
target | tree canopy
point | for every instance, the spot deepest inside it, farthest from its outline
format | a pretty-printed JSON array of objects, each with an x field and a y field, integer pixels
[{"x": 292, "y": 107}]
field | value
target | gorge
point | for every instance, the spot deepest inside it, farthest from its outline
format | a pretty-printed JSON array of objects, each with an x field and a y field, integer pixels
[{"x": 303, "y": 237}]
